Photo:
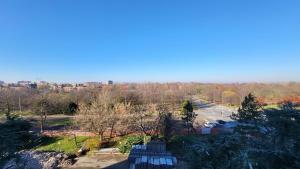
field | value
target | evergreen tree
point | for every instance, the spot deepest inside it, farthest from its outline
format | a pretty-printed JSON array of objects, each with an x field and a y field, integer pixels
[
  {"x": 250, "y": 110},
  {"x": 187, "y": 114},
  {"x": 284, "y": 137},
  {"x": 166, "y": 127}
]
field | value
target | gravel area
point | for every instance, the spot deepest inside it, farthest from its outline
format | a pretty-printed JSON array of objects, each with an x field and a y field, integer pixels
[{"x": 39, "y": 160}]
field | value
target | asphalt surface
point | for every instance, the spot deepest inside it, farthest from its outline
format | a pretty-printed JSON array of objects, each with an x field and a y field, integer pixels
[{"x": 211, "y": 112}]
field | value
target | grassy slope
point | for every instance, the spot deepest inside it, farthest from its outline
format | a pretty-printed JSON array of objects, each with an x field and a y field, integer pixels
[
  {"x": 60, "y": 122},
  {"x": 64, "y": 144},
  {"x": 272, "y": 106}
]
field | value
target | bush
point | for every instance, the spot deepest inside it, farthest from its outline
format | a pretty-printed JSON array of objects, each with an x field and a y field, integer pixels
[
  {"x": 178, "y": 143},
  {"x": 73, "y": 107},
  {"x": 14, "y": 136},
  {"x": 92, "y": 144},
  {"x": 126, "y": 143}
]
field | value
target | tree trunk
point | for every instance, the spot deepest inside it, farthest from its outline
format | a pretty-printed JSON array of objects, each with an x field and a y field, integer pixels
[
  {"x": 42, "y": 126},
  {"x": 101, "y": 136},
  {"x": 7, "y": 114},
  {"x": 43, "y": 121},
  {"x": 188, "y": 127},
  {"x": 20, "y": 107},
  {"x": 112, "y": 129},
  {"x": 144, "y": 130},
  {"x": 75, "y": 140}
]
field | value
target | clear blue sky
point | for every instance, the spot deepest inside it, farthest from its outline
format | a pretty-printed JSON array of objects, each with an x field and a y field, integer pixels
[{"x": 150, "y": 40}]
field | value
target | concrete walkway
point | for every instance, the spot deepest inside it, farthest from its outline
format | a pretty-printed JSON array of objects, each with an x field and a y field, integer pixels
[{"x": 102, "y": 161}]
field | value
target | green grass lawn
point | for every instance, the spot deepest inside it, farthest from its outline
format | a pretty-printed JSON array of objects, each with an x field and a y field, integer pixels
[
  {"x": 64, "y": 144},
  {"x": 276, "y": 106},
  {"x": 18, "y": 114},
  {"x": 272, "y": 106},
  {"x": 60, "y": 122}
]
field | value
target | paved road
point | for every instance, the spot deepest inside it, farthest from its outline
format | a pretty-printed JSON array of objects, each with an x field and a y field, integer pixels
[{"x": 211, "y": 112}]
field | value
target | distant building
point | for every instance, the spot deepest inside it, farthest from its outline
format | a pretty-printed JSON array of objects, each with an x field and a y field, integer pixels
[
  {"x": 12, "y": 85},
  {"x": 66, "y": 85},
  {"x": 42, "y": 83},
  {"x": 53, "y": 86},
  {"x": 68, "y": 88},
  {"x": 79, "y": 85},
  {"x": 5, "y": 85},
  {"x": 1, "y": 83},
  {"x": 74, "y": 85},
  {"x": 80, "y": 88},
  {"x": 33, "y": 86},
  {"x": 92, "y": 84},
  {"x": 110, "y": 82},
  {"x": 24, "y": 83},
  {"x": 16, "y": 87},
  {"x": 27, "y": 84}
]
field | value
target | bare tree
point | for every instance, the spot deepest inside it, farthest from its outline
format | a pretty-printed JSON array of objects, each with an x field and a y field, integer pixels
[
  {"x": 144, "y": 118},
  {"x": 41, "y": 108},
  {"x": 120, "y": 116},
  {"x": 94, "y": 117},
  {"x": 150, "y": 118},
  {"x": 7, "y": 102}
]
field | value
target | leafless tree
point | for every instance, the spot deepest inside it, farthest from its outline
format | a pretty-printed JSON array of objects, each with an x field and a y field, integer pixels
[
  {"x": 42, "y": 108},
  {"x": 7, "y": 102},
  {"x": 120, "y": 117},
  {"x": 94, "y": 117}
]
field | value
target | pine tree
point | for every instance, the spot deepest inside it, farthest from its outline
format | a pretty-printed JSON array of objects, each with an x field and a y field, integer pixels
[
  {"x": 284, "y": 137},
  {"x": 187, "y": 114},
  {"x": 250, "y": 110}
]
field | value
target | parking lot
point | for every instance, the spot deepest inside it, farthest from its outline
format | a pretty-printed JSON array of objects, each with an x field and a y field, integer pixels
[{"x": 209, "y": 112}]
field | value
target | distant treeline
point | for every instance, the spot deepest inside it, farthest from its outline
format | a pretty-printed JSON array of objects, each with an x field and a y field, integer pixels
[
  {"x": 267, "y": 93},
  {"x": 59, "y": 102},
  {"x": 26, "y": 100}
]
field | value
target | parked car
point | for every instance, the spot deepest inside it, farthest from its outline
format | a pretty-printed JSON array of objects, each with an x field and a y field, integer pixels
[
  {"x": 209, "y": 124},
  {"x": 221, "y": 121}
]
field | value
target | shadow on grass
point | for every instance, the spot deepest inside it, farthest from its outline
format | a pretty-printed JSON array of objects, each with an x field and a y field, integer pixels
[
  {"x": 109, "y": 144},
  {"x": 49, "y": 140}
]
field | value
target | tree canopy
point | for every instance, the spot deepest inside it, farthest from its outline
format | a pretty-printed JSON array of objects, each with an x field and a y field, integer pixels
[
  {"x": 250, "y": 110},
  {"x": 188, "y": 114}
]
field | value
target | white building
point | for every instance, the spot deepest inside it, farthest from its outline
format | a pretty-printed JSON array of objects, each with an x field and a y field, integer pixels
[
  {"x": 24, "y": 83},
  {"x": 92, "y": 84}
]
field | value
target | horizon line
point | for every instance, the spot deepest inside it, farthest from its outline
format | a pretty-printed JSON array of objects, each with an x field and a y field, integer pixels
[{"x": 160, "y": 82}]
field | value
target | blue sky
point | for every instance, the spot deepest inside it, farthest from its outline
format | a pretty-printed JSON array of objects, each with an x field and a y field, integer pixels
[{"x": 143, "y": 41}]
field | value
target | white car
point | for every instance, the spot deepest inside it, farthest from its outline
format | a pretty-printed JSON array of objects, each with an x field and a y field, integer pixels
[{"x": 209, "y": 124}]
